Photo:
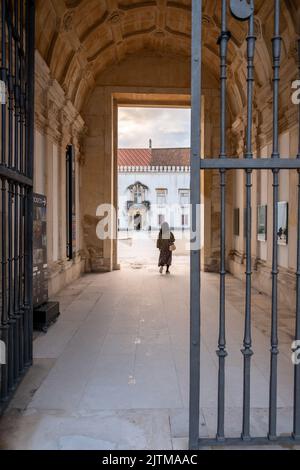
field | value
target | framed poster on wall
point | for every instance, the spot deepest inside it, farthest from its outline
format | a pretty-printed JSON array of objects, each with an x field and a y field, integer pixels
[
  {"x": 262, "y": 223},
  {"x": 70, "y": 201},
  {"x": 40, "y": 280},
  {"x": 282, "y": 227},
  {"x": 236, "y": 222},
  {"x": 245, "y": 220}
]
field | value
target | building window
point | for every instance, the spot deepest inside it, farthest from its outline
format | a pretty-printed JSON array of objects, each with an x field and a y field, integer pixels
[
  {"x": 236, "y": 222},
  {"x": 184, "y": 197},
  {"x": 70, "y": 201},
  {"x": 137, "y": 192},
  {"x": 161, "y": 197},
  {"x": 161, "y": 219},
  {"x": 137, "y": 195},
  {"x": 184, "y": 220}
]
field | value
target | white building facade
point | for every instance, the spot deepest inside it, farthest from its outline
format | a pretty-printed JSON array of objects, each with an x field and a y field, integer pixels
[{"x": 151, "y": 194}]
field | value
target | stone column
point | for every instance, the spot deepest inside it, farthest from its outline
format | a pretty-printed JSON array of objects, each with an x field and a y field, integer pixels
[
  {"x": 211, "y": 117},
  {"x": 116, "y": 265},
  {"x": 109, "y": 179},
  {"x": 98, "y": 179}
]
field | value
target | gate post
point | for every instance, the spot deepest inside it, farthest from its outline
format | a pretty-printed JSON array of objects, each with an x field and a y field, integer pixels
[
  {"x": 194, "y": 403},
  {"x": 296, "y": 419},
  {"x": 29, "y": 173}
]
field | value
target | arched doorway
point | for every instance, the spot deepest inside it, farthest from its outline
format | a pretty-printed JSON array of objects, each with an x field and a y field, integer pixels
[{"x": 137, "y": 221}]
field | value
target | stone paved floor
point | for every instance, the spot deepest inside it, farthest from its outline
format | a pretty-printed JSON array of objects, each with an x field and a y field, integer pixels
[{"x": 112, "y": 373}]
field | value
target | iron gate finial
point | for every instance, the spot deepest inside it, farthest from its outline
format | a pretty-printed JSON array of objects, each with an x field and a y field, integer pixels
[{"x": 242, "y": 9}]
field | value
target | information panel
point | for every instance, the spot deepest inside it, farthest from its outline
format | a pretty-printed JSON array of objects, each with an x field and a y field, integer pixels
[{"x": 40, "y": 283}]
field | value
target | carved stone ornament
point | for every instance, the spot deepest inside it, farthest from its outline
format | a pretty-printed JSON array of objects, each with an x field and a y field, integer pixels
[
  {"x": 67, "y": 22},
  {"x": 159, "y": 33},
  {"x": 257, "y": 28},
  {"x": 52, "y": 110},
  {"x": 87, "y": 72},
  {"x": 293, "y": 50},
  {"x": 115, "y": 17},
  {"x": 207, "y": 21}
]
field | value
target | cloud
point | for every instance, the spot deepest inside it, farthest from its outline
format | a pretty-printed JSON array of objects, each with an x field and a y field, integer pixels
[{"x": 167, "y": 127}]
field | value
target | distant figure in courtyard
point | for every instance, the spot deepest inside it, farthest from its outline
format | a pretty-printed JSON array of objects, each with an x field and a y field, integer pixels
[{"x": 165, "y": 244}]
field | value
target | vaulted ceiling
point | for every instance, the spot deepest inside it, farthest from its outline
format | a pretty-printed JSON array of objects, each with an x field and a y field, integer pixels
[{"x": 80, "y": 38}]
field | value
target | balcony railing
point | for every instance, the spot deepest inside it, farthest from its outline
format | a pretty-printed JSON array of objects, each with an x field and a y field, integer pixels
[{"x": 139, "y": 205}]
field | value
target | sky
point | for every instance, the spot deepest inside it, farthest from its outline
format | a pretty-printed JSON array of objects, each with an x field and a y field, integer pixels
[{"x": 166, "y": 127}]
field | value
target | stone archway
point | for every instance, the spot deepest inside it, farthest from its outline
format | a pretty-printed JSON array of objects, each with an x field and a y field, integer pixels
[
  {"x": 89, "y": 52},
  {"x": 138, "y": 221}
]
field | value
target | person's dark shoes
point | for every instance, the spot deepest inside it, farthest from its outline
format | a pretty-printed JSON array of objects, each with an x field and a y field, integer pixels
[
  {"x": 161, "y": 270},
  {"x": 168, "y": 272}
]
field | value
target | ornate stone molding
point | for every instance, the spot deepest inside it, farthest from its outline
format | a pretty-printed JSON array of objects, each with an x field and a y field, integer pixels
[
  {"x": 55, "y": 114},
  {"x": 237, "y": 256},
  {"x": 115, "y": 17},
  {"x": 67, "y": 22},
  {"x": 258, "y": 28},
  {"x": 153, "y": 169},
  {"x": 238, "y": 135},
  {"x": 293, "y": 49}
]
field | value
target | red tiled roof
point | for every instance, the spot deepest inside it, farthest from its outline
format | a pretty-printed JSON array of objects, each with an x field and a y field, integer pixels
[
  {"x": 154, "y": 157},
  {"x": 170, "y": 157},
  {"x": 134, "y": 157}
]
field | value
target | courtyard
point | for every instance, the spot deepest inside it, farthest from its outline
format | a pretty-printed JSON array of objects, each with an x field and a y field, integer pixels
[{"x": 113, "y": 372}]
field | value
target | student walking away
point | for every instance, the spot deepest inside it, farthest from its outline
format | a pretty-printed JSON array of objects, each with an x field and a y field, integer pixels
[{"x": 166, "y": 246}]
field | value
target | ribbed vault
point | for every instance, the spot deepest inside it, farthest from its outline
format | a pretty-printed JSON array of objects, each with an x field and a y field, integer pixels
[{"x": 80, "y": 38}]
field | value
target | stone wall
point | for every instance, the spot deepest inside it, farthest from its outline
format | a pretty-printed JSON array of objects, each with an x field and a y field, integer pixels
[
  {"x": 262, "y": 194},
  {"x": 57, "y": 124}
]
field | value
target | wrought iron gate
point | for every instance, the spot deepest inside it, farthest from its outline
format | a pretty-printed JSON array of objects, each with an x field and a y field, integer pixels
[
  {"x": 16, "y": 174},
  {"x": 241, "y": 10}
]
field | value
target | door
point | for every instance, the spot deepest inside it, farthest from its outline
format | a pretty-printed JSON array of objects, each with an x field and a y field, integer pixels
[
  {"x": 137, "y": 221},
  {"x": 241, "y": 10},
  {"x": 16, "y": 200}
]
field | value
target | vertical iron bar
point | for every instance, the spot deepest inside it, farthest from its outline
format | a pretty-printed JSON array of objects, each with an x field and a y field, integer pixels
[
  {"x": 272, "y": 435},
  {"x": 4, "y": 79},
  {"x": 11, "y": 320},
  {"x": 17, "y": 188},
  {"x": 15, "y": 18},
  {"x": 247, "y": 342},
  {"x": 221, "y": 352},
  {"x": 296, "y": 423},
  {"x": 10, "y": 87},
  {"x": 4, "y": 316},
  {"x": 22, "y": 88},
  {"x": 25, "y": 169},
  {"x": 21, "y": 274},
  {"x": 194, "y": 401},
  {"x": 30, "y": 49},
  {"x": 24, "y": 332},
  {"x": 16, "y": 278},
  {"x": 16, "y": 86}
]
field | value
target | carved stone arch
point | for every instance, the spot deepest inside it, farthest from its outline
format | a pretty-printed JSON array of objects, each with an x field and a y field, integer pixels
[{"x": 64, "y": 31}]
